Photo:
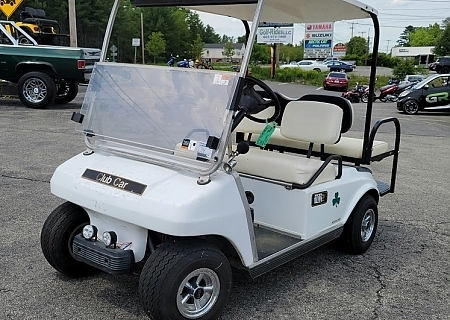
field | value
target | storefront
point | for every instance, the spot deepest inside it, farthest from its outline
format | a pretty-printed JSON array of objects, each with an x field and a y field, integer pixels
[{"x": 423, "y": 55}]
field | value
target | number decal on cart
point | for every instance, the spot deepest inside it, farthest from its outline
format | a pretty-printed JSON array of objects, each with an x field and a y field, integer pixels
[{"x": 319, "y": 198}]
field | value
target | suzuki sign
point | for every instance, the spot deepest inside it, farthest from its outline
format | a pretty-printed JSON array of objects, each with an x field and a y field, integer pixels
[{"x": 318, "y": 36}]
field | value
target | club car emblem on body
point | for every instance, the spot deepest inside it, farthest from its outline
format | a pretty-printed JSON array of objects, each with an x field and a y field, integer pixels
[
  {"x": 114, "y": 181},
  {"x": 336, "y": 199}
]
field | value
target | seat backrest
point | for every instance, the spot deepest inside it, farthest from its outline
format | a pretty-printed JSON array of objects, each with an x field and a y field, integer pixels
[
  {"x": 312, "y": 121},
  {"x": 344, "y": 104}
]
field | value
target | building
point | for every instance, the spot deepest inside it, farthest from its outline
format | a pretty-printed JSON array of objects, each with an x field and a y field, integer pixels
[
  {"x": 424, "y": 55},
  {"x": 215, "y": 52}
]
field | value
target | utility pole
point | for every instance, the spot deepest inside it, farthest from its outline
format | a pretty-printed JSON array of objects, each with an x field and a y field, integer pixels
[
  {"x": 387, "y": 49},
  {"x": 72, "y": 24},
  {"x": 362, "y": 33},
  {"x": 352, "y": 27},
  {"x": 368, "y": 46},
  {"x": 142, "y": 36}
]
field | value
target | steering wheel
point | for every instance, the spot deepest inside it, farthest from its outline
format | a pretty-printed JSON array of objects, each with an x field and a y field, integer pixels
[{"x": 253, "y": 102}]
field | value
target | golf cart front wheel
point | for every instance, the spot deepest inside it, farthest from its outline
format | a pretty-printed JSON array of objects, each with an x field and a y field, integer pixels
[
  {"x": 185, "y": 279},
  {"x": 57, "y": 235},
  {"x": 361, "y": 226}
]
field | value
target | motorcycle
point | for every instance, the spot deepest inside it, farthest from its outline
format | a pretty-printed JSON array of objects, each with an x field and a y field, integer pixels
[
  {"x": 389, "y": 92},
  {"x": 355, "y": 94},
  {"x": 171, "y": 61}
]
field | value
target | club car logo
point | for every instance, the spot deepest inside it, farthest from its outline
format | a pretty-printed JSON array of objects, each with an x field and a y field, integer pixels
[
  {"x": 114, "y": 181},
  {"x": 319, "y": 198},
  {"x": 437, "y": 97}
]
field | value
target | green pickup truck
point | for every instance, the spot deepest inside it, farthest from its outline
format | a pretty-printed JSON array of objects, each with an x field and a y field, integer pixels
[{"x": 42, "y": 74}]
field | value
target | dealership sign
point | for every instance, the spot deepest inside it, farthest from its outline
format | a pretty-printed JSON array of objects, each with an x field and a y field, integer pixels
[
  {"x": 339, "y": 50},
  {"x": 275, "y": 35},
  {"x": 318, "y": 40}
]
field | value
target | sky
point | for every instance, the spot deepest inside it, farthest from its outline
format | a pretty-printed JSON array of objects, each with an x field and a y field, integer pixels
[{"x": 394, "y": 16}]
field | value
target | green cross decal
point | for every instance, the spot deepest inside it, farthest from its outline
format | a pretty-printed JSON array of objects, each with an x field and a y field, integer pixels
[{"x": 336, "y": 199}]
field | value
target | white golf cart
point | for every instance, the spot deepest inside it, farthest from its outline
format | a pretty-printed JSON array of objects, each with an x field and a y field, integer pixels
[{"x": 185, "y": 173}]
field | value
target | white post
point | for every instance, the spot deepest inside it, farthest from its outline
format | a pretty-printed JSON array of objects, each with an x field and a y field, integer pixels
[{"x": 72, "y": 24}]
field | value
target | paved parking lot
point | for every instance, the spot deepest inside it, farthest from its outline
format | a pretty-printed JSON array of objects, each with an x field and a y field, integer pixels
[{"x": 404, "y": 275}]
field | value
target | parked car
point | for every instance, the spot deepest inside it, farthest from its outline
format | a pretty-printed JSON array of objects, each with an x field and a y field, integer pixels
[
  {"x": 336, "y": 80},
  {"x": 442, "y": 65},
  {"x": 412, "y": 78},
  {"x": 431, "y": 94},
  {"x": 307, "y": 65},
  {"x": 339, "y": 66}
]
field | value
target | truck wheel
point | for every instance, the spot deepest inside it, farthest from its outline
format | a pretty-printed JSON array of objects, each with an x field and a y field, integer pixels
[
  {"x": 185, "y": 279},
  {"x": 445, "y": 70},
  {"x": 66, "y": 92},
  {"x": 57, "y": 235},
  {"x": 411, "y": 106},
  {"x": 361, "y": 226},
  {"x": 36, "y": 89}
]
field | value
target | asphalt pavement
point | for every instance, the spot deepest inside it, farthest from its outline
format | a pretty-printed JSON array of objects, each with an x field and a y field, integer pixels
[{"x": 404, "y": 275}]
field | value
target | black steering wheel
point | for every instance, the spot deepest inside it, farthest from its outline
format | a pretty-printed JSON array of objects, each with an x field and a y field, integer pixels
[{"x": 252, "y": 102}]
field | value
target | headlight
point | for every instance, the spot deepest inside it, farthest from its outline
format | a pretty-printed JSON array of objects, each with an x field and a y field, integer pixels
[
  {"x": 90, "y": 232},
  {"x": 404, "y": 93},
  {"x": 109, "y": 238}
]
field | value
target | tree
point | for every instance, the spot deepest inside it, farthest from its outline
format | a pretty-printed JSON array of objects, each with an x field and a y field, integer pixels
[
  {"x": 404, "y": 67},
  {"x": 425, "y": 36},
  {"x": 404, "y": 37},
  {"x": 226, "y": 39},
  {"x": 357, "y": 46},
  {"x": 445, "y": 22},
  {"x": 260, "y": 53},
  {"x": 197, "y": 48},
  {"x": 228, "y": 50},
  {"x": 156, "y": 45},
  {"x": 443, "y": 45}
]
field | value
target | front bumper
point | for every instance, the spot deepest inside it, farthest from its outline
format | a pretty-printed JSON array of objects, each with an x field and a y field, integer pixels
[{"x": 96, "y": 254}]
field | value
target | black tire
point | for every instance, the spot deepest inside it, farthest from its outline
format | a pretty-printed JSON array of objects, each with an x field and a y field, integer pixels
[
  {"x": 66, "y": 92},
  {"x": 317, "y": 70},
  {"x": 24, "y": 40},
  {"x": 36, "y": 90},
  {"x": 383, "y": 99},
  {"x": 61, "y": 226},
  {"x": 361, "y": 226},
  {"x": 445, "y": 70},
  {"x": 171, "y": 267},
  {"x": 325, "y": 88},
  {"x": 365, "y": 98},
  {"x": 411, "y": 106}
]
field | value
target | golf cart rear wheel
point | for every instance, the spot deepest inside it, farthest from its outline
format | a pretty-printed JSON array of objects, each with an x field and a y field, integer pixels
[
  {"x": 361, "y": 226},
  {"x": 185, "y": 279},
  {"x": 411, "y": 106},
  {"x": 57, "y": 235},
  {"x": 36, "y": 89},
  {"x": 67, "y": 92}
]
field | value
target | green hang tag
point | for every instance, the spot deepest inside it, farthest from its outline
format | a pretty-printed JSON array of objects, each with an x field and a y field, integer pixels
[{"x": 265, "y": 135}]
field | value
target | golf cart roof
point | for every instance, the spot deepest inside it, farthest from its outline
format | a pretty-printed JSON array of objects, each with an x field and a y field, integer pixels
[{"x": 288, "y": 11}]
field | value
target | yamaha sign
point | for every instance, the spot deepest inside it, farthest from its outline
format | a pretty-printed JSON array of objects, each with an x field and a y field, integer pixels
[{"x": 318, "y": 40}]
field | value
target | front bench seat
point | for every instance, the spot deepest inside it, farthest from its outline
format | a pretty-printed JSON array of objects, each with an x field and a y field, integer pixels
[{"x": 305, "y": 122}]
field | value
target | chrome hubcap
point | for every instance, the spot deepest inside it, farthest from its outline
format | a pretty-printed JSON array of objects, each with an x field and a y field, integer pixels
[
  {"x": 367, "y": 225},
  {"x": 411, "y": 107},
  {"x": 198, "y": 293},
  {"x": 34, "y": 90}
]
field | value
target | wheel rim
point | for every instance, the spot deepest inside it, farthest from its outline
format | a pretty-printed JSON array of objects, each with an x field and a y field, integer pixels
[
  {"x": 367, "y": 225},
  {"x": 411, "y": 107},
  {"x": 34, "y": 90},
  {"x": 198, "y": 293}
]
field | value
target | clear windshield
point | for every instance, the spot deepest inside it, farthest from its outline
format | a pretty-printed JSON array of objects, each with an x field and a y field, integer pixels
[{"x": 161, "y": 114}]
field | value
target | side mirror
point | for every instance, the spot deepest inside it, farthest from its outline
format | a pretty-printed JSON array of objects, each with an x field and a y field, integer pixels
[{"x": 426, "y": 87}]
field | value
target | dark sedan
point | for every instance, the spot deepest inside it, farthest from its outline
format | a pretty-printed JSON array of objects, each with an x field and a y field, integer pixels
[
  {"x": 431, "y": 94},
  {"x": 339, "y": 66}
]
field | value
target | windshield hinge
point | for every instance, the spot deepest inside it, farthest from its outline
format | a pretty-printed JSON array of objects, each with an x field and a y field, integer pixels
[{"x": 77, "y": 117}]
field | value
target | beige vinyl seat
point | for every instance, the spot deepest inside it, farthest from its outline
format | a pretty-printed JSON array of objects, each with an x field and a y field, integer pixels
[
  {"x": 346, "y": 147},
  {"x": 305, "y": 122}
]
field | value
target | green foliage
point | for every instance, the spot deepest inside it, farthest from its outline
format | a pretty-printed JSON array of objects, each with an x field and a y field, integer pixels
[
  {"x": 291, "y": 53},
  {"x": 360, "y": 60},
  {"x": 403, "y": 68},
  {"x": 178, "y": 26},
  {"x": 443, "y": 45},
  {"x": 228, "y": 50},
  {"x": 197, "y": 47},
  {"x": 260, "y": 54},
  {"x": 156, "y": 45},
  {"x": 403, "y": 41},
  {"x": 425, "y": 36},
  {"x": 357, "y": 46}
]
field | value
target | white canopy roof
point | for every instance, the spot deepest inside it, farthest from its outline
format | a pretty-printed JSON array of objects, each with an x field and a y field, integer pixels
[{"x": 294, "y": 11}]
